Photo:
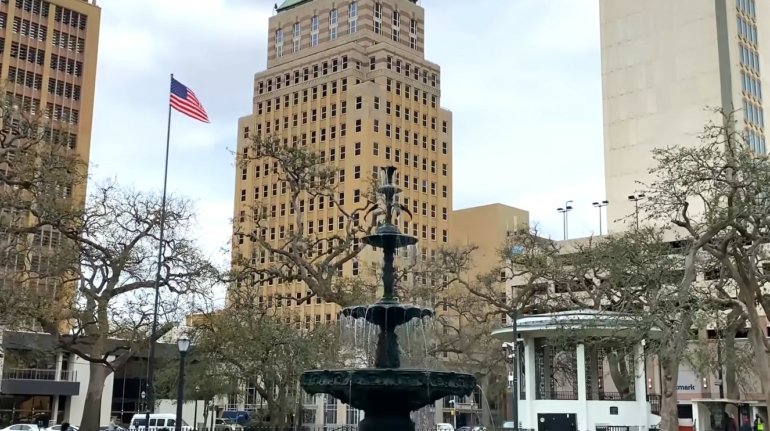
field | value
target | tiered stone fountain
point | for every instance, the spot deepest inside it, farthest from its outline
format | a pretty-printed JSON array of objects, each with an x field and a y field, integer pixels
[{"x": 388, "y": 393}]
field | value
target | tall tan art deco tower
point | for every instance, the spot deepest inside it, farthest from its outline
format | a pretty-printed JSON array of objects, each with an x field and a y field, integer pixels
[
  {"x": 349, "y": 78},
  {"x": 48, "y": 53}
]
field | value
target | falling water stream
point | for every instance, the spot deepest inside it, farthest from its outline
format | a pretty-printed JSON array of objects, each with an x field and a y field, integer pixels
[{"x": 416, "y": 338}]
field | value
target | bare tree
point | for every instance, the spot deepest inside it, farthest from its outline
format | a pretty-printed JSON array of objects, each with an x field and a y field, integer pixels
[
  {"x": 715, "y": 195},
  {"x": 283, "y": 241},
  {"x": 638, "y": 277},
  {"x": 90, "y": 279}
]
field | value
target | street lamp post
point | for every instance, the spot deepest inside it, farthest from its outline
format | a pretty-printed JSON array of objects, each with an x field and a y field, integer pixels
[
  {"x": 183, "y": 344},
  {"x": 512, "y": 351},
  {"x": 195, "y": 414},
  {"x": 600, "y": 205},
  {"x": 564, "y": 210},
  {"x": 635, "y": 198},
  {"x": 454, "y": 413}
]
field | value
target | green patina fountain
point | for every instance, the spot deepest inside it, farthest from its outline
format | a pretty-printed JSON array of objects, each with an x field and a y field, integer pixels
[{"x": 388, "y": 393}]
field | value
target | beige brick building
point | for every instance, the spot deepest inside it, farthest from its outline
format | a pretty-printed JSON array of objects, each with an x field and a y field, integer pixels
[
  {"x": 48, "y": 52},
  {"x": 350, "y": 80}
]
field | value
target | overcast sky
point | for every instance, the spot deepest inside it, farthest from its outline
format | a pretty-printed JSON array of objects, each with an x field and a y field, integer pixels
[{"x": 522, "y": 77}]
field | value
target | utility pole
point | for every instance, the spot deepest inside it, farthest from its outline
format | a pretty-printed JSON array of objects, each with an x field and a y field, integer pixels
[{"x": 514, "y": 364}]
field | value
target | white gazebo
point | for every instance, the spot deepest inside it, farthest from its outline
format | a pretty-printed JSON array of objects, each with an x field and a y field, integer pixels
[{"x": 588, "y": 406}]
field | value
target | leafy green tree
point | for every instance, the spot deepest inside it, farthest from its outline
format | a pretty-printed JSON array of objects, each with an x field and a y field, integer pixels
[
  {"x": 266, "y": 350},
  {"x": 203, "y": 381}
]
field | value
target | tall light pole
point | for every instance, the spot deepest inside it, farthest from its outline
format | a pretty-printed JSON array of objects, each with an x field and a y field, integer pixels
[
  {"x": 195, "y": 414},
  {"x": 564, "y": 210},
  {"x": 600, "y": 205},
  {"x": 183, "y": 344},
  {"x": 635, "y": 198}
]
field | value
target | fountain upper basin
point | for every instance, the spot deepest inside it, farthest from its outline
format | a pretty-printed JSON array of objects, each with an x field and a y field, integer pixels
[
  {"x": 391, "y": 390},
  {"x": 387, "y": 314}
]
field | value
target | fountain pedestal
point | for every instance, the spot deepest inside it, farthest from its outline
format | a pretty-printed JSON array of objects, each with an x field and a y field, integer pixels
[{"x": 387, "y": 393}]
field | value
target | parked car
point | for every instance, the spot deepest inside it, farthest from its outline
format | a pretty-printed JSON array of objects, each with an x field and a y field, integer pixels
[
  {"x": 22, "y": 427},
  {"x": 444, "y": 427},
  {"x": 58, "y": 428},
  {"x": 226, "y": 424}
]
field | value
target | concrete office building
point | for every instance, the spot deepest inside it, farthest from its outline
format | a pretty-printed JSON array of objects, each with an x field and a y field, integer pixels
[
  {"x": 663, "y": 63},
  {"x": 37, "y": 380}
]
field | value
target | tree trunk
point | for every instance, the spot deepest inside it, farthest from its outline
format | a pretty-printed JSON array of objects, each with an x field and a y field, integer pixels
[
  {"x": 669, "y": 416},
  {"x": 92, "y": 407},
  {"x": 619, "y": 374},
  {"x": 206, "y": 405},
  {"x": 757, "y": 340},
  {"x": 730, "y": 377}
]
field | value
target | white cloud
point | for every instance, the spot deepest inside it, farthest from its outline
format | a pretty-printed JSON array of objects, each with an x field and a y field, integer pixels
[{"x": 521, "y": 77}]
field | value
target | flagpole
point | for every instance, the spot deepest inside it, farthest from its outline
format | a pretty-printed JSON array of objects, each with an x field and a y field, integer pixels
[{"x": 153, "y": 334}]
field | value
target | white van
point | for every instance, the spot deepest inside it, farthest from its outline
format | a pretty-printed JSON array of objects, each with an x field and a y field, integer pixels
[{"x": 158, "y": 422}]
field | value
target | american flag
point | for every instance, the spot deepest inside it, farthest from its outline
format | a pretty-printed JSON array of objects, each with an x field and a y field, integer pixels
[{"x": 184, "y": 101}]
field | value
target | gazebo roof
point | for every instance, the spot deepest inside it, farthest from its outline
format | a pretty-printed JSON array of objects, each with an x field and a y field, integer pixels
[{"x": 601, "y": 323}]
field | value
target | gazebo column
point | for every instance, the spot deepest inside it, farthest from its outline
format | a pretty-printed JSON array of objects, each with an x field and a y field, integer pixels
[
  {"x": 582, "y": 419},
  {"x": 640, "y": 381},
  {"x": 530, "y": 383},
  {"x": 593, "y": 382}
]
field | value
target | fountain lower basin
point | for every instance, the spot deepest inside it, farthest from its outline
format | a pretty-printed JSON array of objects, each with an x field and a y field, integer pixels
[{"x": 388, "y": 390}]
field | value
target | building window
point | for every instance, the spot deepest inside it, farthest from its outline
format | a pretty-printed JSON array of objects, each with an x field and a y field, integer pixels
[
  {"x": 330, "y": 408},
  {"x": 396, "y": 18},
  {"x": 378, "y": 10},
  {"x": 314, "y": 23},
  {"x": 314, "y": 39},
  {"x": 279, "y": 43},
  {"x": 333, "y": 33},
  {"x": 297, "y": 29},
  {"x": 394, "y": 34},
  {"x": 352, "y": 17}
]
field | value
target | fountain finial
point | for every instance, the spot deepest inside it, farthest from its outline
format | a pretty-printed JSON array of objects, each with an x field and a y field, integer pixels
[{"x": 387, "y": 205}]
